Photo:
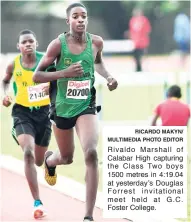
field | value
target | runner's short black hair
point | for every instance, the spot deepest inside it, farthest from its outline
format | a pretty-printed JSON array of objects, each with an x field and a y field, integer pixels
[
  {"x": 73, "y": 6},
  {"x": 174, "y": 91},
  {"x": 26, "y": 31}
]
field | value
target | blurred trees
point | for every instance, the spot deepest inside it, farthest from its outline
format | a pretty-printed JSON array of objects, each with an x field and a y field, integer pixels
[
  {"x": 98, "y": 8},
  {"x": 115, "y": 14}
]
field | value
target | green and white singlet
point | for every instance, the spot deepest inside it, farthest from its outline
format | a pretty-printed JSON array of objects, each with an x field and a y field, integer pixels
[{"x": 74, "y": 95}]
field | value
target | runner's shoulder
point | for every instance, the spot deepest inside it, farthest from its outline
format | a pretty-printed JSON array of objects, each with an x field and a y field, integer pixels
[
  {"x": 10, "y": 66},
  {"x": 55, "y": 45},
  {"x": 57, "y": 41},
  {"x": 97, "y": 40}
]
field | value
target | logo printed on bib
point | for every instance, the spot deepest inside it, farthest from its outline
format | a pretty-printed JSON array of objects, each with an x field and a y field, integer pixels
[
  {"x": 36, "y": 93},
  {"x": 78, "y": 89}
]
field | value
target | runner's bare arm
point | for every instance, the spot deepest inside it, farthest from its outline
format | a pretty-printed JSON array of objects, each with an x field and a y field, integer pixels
[
  {"x": 154, "y": 120},
  {"x": 99, "y": 64},
  {"x": 53, "y": 51},
  {"x": 7, "y": 78},
  {"x": 100, "y": 67}
]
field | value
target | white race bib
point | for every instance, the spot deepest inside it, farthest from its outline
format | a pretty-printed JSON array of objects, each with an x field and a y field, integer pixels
[
  {"x": 35, "y": 93},
  {"x": 78, "y": 89}
]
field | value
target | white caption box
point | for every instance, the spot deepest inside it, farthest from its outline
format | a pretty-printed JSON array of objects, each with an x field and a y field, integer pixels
[{"x": 145, "y": 171}]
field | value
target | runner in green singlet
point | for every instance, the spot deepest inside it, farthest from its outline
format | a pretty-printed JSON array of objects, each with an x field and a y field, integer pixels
[{"x": 76, "y": 53}]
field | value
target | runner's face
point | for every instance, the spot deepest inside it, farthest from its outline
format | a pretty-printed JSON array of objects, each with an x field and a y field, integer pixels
[
  {"x": 78, "y": 19},
  {"x": 27, "y": 44}
]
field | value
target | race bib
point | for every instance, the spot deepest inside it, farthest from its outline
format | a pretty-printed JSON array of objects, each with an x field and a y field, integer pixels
[
  {"x": 78, "y": 89},
  {"x": 36, "y": 93}
]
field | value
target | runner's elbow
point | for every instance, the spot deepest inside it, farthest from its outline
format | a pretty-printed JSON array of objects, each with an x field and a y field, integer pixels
[{"x": 36, "y": 77}]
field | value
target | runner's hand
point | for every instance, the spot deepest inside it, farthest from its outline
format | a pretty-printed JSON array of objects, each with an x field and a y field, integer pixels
[
  {"x": 46, "y": 89},
  {"x": 112, "y": 83},
  {"x": 74, "y": 70},
  {"x": 7, "y": 101}
]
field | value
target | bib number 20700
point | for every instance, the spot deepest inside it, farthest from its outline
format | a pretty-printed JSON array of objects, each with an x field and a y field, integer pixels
[{"x": 78, "y": 89}]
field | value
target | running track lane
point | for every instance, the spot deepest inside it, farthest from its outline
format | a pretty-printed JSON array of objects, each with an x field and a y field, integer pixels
[{"x": 17, "y": 203}]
